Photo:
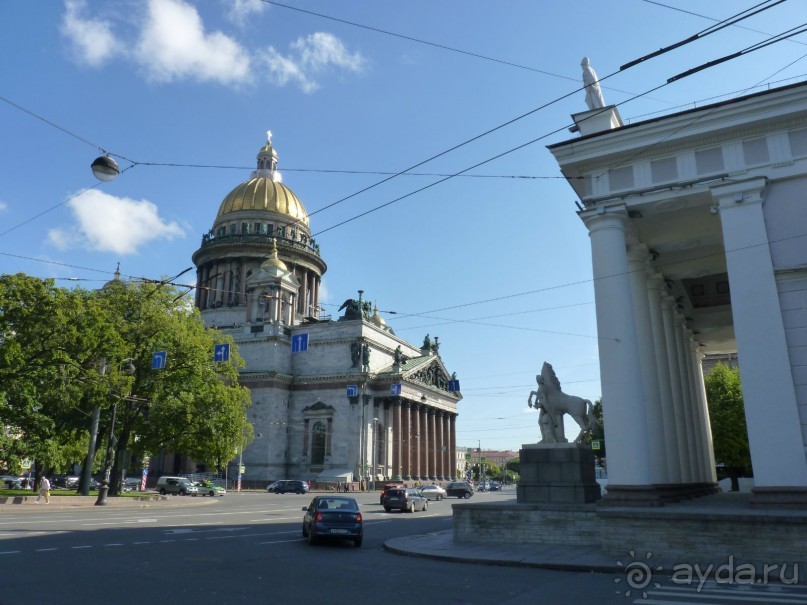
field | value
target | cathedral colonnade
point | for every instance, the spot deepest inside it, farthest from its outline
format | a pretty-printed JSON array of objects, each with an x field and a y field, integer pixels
[{"x": 423, "y": 442}]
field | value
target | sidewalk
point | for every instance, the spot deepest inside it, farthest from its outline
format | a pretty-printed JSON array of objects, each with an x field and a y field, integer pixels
[
  {"x": 17, "y": 504},
  {"x": 441, "y": 545}
]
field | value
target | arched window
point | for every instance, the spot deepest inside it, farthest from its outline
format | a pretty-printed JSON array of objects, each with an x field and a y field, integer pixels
[{"x": 319, "y": 437}]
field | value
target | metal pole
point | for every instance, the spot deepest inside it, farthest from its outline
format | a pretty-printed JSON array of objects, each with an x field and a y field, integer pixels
[{"x": 103, "y": 489}]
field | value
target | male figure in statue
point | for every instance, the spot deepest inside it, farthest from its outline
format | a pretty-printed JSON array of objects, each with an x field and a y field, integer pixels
[{"x": 594, "y": 98}]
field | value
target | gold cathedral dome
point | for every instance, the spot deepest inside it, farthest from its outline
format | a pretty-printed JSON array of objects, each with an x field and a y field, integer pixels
[{"x": 264, "y": 191}]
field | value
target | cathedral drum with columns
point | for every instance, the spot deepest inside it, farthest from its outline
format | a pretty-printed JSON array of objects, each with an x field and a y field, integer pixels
[{"x": 332, "y": 400}]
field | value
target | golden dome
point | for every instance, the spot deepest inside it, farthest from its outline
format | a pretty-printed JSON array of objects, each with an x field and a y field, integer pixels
[
  {"x": 263, "y": 193},
  {"x": 273, "y": 262},
  {"x": 264, "y": 190}
]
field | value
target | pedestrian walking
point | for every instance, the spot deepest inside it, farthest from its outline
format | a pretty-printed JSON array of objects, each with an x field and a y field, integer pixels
[{"x": 44, "y": 490}]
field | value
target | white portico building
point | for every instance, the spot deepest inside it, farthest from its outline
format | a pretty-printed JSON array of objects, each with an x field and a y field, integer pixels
[{"x": 698, "y": 227}]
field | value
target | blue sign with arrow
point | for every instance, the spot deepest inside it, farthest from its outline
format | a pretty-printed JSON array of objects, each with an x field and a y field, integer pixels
[
  {"x": 395, "y": 390},
  {"x": 453, "y": 385},
  {"x": 158, "y": 359},
  {"x": 352, "y": 390},
  {"x": 299, "y": 343},
  {"x": 221, "y": 352}
]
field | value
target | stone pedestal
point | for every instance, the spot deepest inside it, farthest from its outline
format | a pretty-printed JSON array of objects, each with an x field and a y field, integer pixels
[{"x": 557, "y": 473}]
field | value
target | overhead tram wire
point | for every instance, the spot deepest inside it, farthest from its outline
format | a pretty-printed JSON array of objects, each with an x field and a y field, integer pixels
[
  {"x": 392, "y": 176},
  {"x": 754, "y": 10},
  {"x": 775, "y": 39}
]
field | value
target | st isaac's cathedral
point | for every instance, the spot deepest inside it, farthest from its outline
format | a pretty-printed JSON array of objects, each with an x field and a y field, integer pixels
[{"x": 333, "y": 399}]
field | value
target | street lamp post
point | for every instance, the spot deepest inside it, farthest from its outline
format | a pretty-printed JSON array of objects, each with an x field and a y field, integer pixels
[{"x": 103, "y": 489}]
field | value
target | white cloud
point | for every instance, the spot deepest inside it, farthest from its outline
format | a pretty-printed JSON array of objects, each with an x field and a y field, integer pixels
[
  {"x": 173, "y": 45},
  {"x": 240, "y": 11},
  {"x": 170, "y": 43},
  {"x": 106, "y": 223},
  {"x": 3, "y": 206},
  {"x": 310, "y": 57},
  {"x": 92, "y": 40}
]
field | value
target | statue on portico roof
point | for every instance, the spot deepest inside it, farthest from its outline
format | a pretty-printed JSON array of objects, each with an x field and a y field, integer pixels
[{"x": 594, "y": 98}]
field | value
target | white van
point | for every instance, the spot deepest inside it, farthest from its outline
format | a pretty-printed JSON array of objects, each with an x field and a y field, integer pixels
[{"x": 176, "y": 485}]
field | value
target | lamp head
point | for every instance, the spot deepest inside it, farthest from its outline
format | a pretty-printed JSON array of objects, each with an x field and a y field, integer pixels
[{"x": 105, "y": 168}]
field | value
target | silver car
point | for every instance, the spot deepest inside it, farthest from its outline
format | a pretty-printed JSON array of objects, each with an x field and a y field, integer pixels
[{"x": 432, "y": 492}]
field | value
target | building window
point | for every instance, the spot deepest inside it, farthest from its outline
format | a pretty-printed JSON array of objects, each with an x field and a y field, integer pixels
[
  {"x": 244, "y": 228},
  {"x": 232, "y": 228},
  {"x": 270, "y": 228},
  {"x": 319, "y": 438},
  {"x": 755, "y": 151},
  {"x": 708, "y": 161},
  {"x": 620, "y": 178},
  {"x": 664, "y": 170},
  {"x": 798, "y": 142}
]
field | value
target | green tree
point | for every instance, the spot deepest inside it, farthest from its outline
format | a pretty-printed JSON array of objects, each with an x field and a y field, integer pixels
[
  {"x": 63, "y": 356},
  {"x": 727, "y": 417}
]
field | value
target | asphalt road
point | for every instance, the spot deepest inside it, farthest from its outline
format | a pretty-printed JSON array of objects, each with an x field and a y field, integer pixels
[{"x": 248, "y": 548}]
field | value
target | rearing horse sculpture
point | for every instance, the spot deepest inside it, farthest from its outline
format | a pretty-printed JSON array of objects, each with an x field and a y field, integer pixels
[{"x": 554, "y": 403}]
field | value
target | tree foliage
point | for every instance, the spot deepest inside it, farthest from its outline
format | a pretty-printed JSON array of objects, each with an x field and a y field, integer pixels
[
  {"x": 64, "y": 352},
  {"x": 727, "y": 417}
]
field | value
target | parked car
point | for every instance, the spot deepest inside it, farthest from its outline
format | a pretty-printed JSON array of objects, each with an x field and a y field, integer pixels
[
  {"x": 333, "y": 517},
  {"x": 460, "y": 489},
  {"x": 288, "y": 486},
  {"x": 208, "y": 488},
  {"x": 408, "y": 500},
  {"x": 10, "y": 482},
  {"x": 388, "y": 487},
  {"x": 181, "y": 486},
  {"x": 495, "y": 486},
  {"x": 433, "y": 492}
]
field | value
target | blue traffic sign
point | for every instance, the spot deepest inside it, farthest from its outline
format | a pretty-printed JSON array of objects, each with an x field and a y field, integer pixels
[
  {"x": 221, "y": 352},
  {"x": 395, "y": 390},
  {"x": 158, "y": 359},
  {"x": 352, "y": 390},
  {"x": 299, "y": 343},
  {"x": 453, "y": 385}
]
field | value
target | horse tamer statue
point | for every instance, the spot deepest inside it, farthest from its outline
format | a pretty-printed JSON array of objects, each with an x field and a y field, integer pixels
[{"x": 553, "y": 403}]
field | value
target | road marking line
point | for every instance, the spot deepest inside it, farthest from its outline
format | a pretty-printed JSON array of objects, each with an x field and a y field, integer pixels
[
  {"x": 46, "y": 549},
  {"x": 141, "y": 543},
  {"x": 283, "y": 541},
  {"x": 9, "y": 552},
  {"x": 114, "y": 544},
  {"x": 80, "y": 547}
]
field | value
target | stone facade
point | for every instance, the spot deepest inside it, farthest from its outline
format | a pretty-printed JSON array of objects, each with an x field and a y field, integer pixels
[{"x": 340, "y": 399}]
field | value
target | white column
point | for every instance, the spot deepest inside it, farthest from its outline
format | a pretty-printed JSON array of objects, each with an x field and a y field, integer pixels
[
  {"x": 668, "y": 315},
  {"x": 709, "y": 471},
  {"x": 655, "y": 284},
  {"x": 774, "y": 429},
  {"x": 686, "y": 397},
  {"x": 637, "y": 265},
  {"x": 697, "y": 418},
  {"x": 620, "y": 369}
]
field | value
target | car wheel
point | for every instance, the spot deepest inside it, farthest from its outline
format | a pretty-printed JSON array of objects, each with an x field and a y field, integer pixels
[
  {"x": 299, "y": 492},
  {"x": 311, "y": 537},
  {"x": 277, "y": 491},
  {"x": 387, "y": 508},
  {"x": 357, "y": 542},
  {"x": 212, "y": 493},
  {"x": 162, "y": 492},
  {"x": 426, "y": 505},
  {"x": 439, "y": 497},
  {"x": 467, "y": 495},
  {"x": 305, "y": 531},
  {"x": 411, "y": 508},
  {"x": 182, "y": 492}
]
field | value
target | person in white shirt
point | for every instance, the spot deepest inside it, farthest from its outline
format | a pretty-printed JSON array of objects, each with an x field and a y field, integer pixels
[{"x": 44, "y": 490}]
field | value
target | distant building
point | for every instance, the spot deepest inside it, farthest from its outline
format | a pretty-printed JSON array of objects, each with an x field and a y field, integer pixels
[{"x": 333, "y": 399}]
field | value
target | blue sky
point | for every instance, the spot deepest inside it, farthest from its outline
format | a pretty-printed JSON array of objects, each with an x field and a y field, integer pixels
[{"x": 496, "y": 263}]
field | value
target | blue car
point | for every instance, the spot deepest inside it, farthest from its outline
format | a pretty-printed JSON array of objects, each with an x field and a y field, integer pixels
[{"x": 333, "y": 518}]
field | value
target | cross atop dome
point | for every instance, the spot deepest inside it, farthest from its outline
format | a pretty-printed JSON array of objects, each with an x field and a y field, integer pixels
[{"x": 267, "y": 161}]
